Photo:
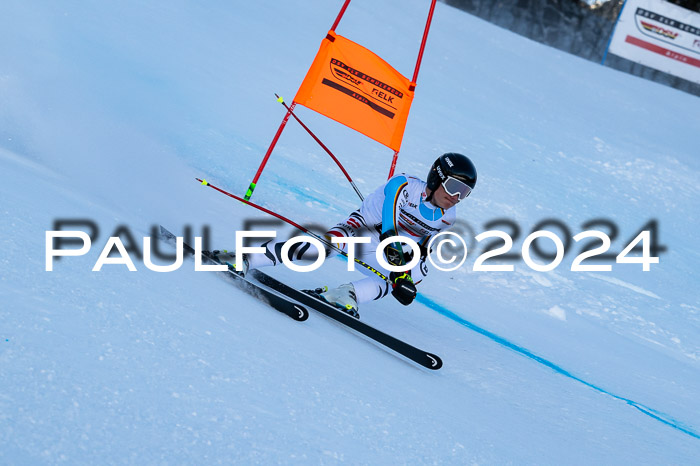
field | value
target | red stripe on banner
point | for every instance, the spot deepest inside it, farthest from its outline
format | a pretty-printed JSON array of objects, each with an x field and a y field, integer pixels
[{"x": 662, "y": 51}]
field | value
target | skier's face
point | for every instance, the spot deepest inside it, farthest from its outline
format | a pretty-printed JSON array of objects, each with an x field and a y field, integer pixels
[{"x": 444, "y": 200}]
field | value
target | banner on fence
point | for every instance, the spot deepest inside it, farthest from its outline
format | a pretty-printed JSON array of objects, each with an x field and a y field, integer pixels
[{"x": 660, "y": 35}]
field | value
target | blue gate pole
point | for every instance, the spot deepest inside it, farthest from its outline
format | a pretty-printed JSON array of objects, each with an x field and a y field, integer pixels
[{"x": 605, "y": 55}]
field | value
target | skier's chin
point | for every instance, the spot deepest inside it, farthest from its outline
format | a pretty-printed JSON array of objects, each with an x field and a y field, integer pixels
[{"x": 447, "y": 203}]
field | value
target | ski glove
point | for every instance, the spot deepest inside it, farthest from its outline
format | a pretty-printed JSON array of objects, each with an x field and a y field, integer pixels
[{"x": 404, "y": 290}]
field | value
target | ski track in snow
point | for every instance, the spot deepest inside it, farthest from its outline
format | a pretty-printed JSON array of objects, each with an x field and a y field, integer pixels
[
  {"x": 654, "y": 414},
  {"x": 629, "y": 286}
]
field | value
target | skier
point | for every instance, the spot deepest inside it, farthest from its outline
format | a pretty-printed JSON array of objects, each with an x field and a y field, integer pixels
[{"x": 405, "y": 206}]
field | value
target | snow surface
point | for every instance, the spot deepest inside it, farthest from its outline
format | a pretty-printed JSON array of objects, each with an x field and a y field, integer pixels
[{"x": 109, "y": 110}]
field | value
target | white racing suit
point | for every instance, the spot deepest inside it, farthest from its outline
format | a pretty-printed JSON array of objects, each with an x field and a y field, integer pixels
[{"x": 398, "y": 205}]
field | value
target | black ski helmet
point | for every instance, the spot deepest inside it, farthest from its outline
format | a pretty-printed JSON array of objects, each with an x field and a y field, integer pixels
[{"x": 451, "y": 164}]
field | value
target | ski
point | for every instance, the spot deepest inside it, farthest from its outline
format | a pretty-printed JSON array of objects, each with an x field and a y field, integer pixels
[
  {"x": 280, "y": 303},
  {"x": 425, "y": 359}
]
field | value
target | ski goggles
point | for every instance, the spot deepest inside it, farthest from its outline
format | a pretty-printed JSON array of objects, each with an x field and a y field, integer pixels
[{"x": 454, "y": 187}]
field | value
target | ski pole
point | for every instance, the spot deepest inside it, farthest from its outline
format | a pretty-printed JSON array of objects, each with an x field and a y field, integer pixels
[
  {"x": 328, "y": 151},
  {"x": 296, "y": 225}
]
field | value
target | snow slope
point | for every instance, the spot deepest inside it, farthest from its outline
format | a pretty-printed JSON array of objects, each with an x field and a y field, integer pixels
[{"x": 109, "y": 111}]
